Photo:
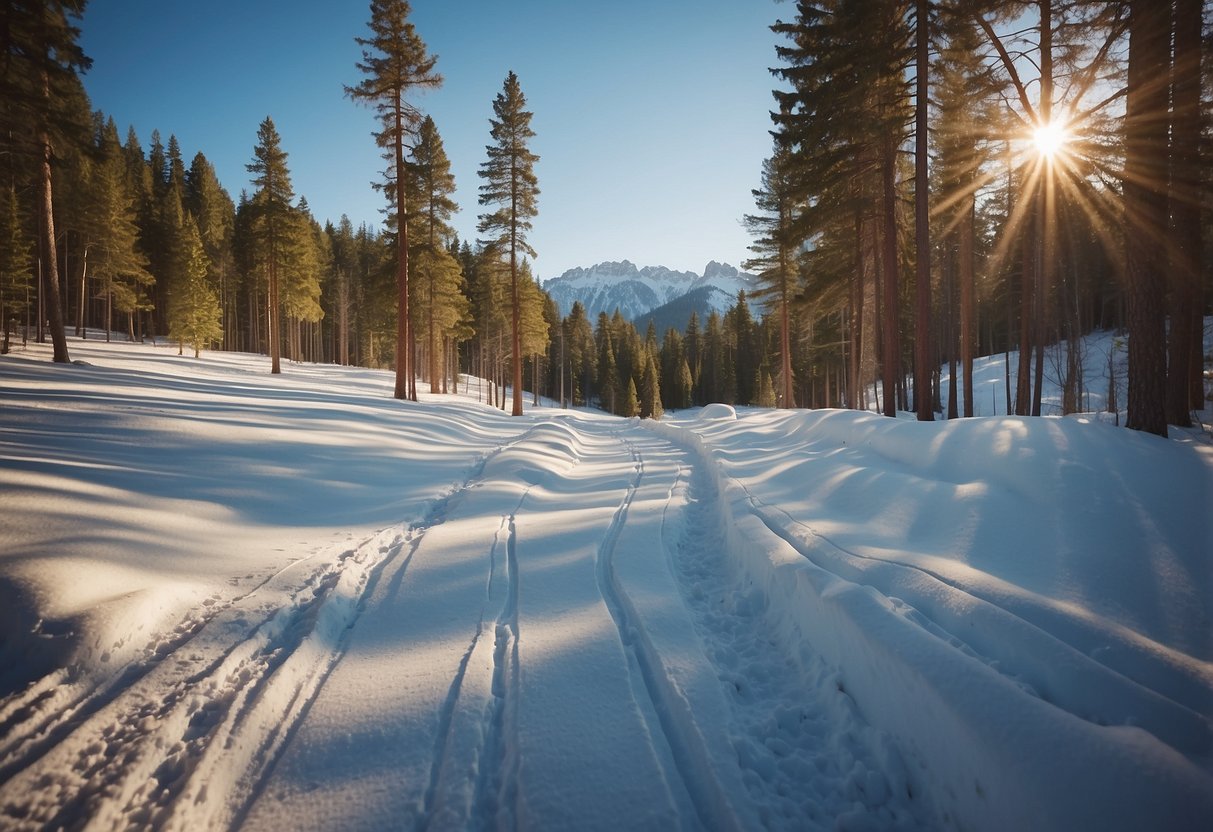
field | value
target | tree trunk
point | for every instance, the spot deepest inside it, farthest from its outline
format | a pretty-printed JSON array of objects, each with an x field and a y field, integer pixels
[
  {"x": 891, "y": 362},
  {"x": 1145, "y": 178},
  {"x": 922, "y": 230},
  {"x": 967, "y": 301},
  {"x": 405, "y": 387},
  {"x": 516, "y": 334},
  {"x": 47, "y": 209},
  {"x": 1184, "y": 348}
]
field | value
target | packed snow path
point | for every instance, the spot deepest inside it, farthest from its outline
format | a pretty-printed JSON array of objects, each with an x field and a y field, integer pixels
[{"x": 561, "y": 642}]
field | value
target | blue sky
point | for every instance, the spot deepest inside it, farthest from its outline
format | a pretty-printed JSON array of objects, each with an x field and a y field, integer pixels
[{"x": 651, "y": 115}]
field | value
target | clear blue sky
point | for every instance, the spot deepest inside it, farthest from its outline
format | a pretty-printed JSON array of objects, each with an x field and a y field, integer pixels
[{"x": 651, "y": 115}]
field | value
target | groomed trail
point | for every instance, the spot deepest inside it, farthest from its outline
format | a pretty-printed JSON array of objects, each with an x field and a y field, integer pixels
[{"x": 561, "y": 641}]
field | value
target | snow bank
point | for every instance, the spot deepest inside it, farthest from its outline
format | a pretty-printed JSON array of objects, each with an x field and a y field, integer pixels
[{"x": 1023, "y": 604}]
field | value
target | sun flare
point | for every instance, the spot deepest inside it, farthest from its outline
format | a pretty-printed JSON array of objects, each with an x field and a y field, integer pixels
[{"x": 1050, "y": 138}]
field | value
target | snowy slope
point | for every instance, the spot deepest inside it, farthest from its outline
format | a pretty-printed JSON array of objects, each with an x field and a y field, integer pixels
[
  {"x": 232, "y": 600},
  {"x": 635, "y": 291}
]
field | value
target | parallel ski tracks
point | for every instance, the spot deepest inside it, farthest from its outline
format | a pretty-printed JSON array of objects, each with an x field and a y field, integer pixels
[{"x": 191, "y": 720}]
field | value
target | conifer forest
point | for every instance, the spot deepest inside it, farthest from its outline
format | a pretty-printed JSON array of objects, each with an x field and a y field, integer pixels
[{"x": 947, "y": 179}]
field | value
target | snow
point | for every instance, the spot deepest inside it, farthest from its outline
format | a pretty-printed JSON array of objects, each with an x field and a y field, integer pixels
[{"x": 236, "y": 600}]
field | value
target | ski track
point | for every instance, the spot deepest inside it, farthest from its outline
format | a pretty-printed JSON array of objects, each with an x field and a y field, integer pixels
[
  {"x": 809, "y": 760},
  {"x": 928, "y": 599},
  {"x": 151, "y": 744},
  {"x": 34, "y": 720}
]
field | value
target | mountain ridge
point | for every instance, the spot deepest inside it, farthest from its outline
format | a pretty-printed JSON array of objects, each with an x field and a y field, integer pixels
[{"x": 635, "y": 291}]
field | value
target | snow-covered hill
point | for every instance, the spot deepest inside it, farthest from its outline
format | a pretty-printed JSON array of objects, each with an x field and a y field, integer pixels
[{"x": 635, "y": 291}]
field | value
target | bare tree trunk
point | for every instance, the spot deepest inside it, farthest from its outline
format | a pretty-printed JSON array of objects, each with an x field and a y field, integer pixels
[
  {"x": 1145, "y": 179},
  {"x": 50, "y": 255},
  {"x": 1046, "y": 196},
  {"x": 922, "y": 229},
  {"x": 891, "y": 362},
  {"x": 405, "y": 386},
  {"x": 967, "y": 304},
  {"x": 1184, "y": 388}
]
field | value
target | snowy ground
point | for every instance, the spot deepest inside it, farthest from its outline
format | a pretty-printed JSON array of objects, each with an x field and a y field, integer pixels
[{"x": 234, "y": 600}]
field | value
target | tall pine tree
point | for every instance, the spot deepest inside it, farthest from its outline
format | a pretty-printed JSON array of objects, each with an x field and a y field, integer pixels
[
  {"x": 272, "y": 223},
  {"x": 396, "y": 64},
  {"x": 510, "y": 183}
]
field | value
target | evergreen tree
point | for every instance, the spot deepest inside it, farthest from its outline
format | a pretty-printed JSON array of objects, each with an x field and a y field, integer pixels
[
  {"x": 396, "y": 64},
  {"x": 630, "y": 403},
  {"x": 16, "y": 264},
  {"x": 116, "y": 259},
  {"x": 766, "y": 390},
  {"x": 650, "y": 395},
  {"x": 582, "y": 361},
  {"x": 441, "y": 302},
  {"x": 38, "y": 71},
  {"x": 609, "y": 394},
  {"x": 676, "y": 381},
  {"x": 775, "y": 260},
  {"x": 194, "y": 314},
  {"x": 272, "y": 221},
  {"x": 305, "y": 256},
  {"x": 510, "y": 182},
  {"x": 213, "y": 210}
]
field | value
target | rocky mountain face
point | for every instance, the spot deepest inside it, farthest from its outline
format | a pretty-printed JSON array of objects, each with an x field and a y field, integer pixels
[{"x": 637, "y": 291}]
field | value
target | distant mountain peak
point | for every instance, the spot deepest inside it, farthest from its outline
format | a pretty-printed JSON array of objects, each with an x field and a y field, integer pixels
[{"x": 634, "y": 291}]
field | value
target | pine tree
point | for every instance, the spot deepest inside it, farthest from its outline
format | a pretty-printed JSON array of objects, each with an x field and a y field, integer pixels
[
  {"x": 16, "y": 264},
  {"x": 582, "y": 361},
  {"x": 116, "y": 258},
  {"x": 609, "y": 395},
  {"x": 194, "y": 313},
  {"x": 432, "y": 184},
  {"x": 214, "y": 211},
  {"x": 775, "y": 261},
  {"x": 510, "y": 182},
  {"x": 630, "y": 403},
  {"x": 304, "y": 262},
  {"x": 650, "y": 396},
  {"x": 396, "y": 65},
  {"x": 272, "y": 219},
  {"x": 38, "y": 67}
]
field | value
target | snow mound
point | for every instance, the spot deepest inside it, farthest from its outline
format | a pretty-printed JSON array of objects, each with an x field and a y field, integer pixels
[{"x": 716, "y": 411}]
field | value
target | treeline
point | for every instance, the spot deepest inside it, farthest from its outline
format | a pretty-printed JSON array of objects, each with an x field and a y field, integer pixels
[{"x": 926, "y": 201}]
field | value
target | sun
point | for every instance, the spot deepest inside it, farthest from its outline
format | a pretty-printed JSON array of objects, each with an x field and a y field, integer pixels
[{"x": 1050, "y": 139}]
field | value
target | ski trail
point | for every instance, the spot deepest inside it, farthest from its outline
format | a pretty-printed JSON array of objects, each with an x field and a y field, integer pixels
[
  {"x": 403, "y": 714},
  {"x": 1054, "y": 670},
  {"x": 125, "y": 764},
  {"x": 451, "y": 732},
  {"x": 187, "y": 739},
  {"x": 807, "y": 757},
  {"x": 34, "y": 720},
  {"x": 496, "y": 786},
  {"x": 686, "y": 758}
]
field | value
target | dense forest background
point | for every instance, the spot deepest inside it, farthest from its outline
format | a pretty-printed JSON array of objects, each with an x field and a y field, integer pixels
[{"x": 947, "y": 179}]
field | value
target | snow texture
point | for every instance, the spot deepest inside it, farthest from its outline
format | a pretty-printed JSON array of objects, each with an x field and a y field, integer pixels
[{"x": 236, "y": 600}]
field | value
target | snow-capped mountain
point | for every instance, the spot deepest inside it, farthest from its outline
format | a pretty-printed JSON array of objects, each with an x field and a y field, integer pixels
[{"x": 635, "y": 291}]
